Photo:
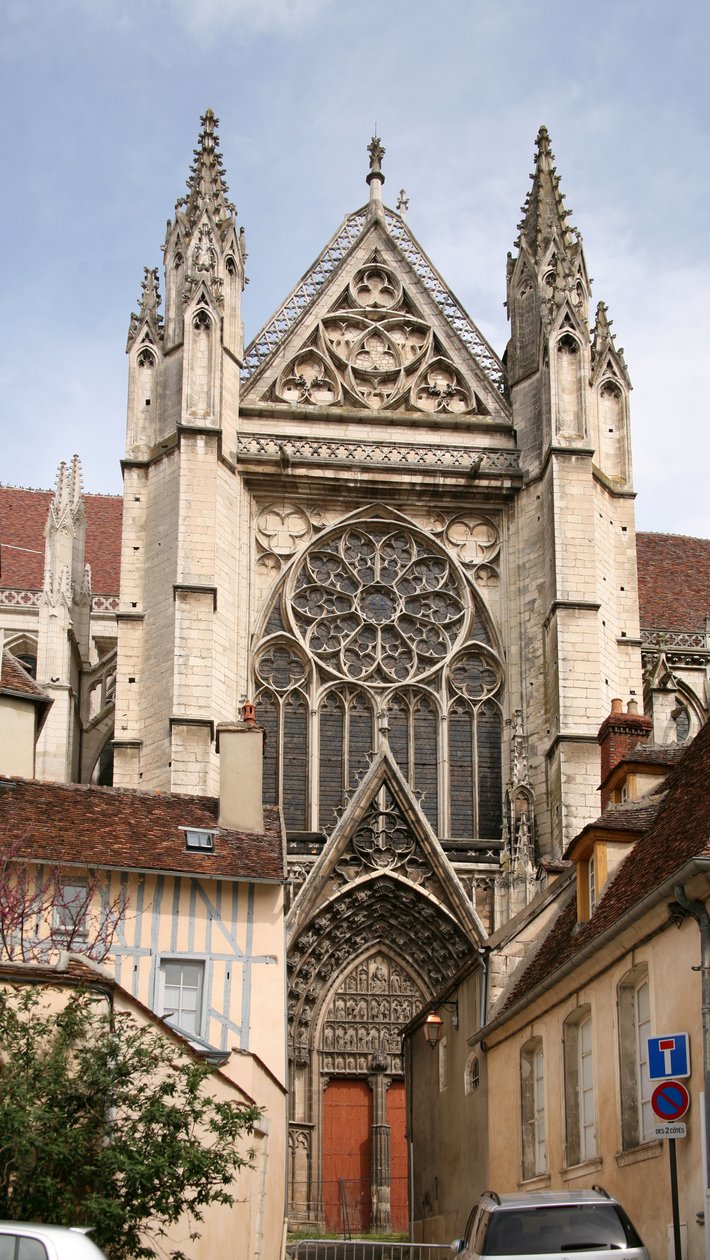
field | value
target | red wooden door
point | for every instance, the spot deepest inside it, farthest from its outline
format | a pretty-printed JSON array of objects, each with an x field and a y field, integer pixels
[
  {"x": 347, "y": 1121},
  {"x": 399, "y": 1191}
]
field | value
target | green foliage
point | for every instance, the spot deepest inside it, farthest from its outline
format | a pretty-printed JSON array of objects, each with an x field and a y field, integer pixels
[{"x": 104, "y": 1122}]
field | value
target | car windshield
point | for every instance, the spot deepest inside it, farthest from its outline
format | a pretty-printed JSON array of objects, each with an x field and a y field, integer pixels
[{"x": 562, "y": 1228}]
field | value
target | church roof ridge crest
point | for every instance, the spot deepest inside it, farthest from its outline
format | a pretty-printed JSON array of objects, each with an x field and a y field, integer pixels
[{"x": 305, "y": 293}]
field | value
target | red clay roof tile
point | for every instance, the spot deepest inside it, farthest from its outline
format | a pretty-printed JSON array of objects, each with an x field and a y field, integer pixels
[
  {"x": 674, "y": 581},
  {"x": 679, "y": 832},
  {"x": 23, "y": 516},
  {"x": 14, "y": 677},
  {"x": 79, "y": 824}
]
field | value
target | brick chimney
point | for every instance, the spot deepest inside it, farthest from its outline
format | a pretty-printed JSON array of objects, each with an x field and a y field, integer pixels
[
  {"x": 618, "y": 735},
  {"x": 241, "y": 754}
]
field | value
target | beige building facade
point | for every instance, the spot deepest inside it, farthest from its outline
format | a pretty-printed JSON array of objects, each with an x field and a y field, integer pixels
[
  {"x": 548, "y": 1085},
  {"x": 416, "y": 556}
]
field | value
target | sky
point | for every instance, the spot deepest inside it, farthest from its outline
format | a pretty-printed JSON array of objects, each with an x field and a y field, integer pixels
[{"x": 100, "y": 102}]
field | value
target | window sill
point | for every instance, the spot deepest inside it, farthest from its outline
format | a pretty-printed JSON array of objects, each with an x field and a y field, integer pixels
[
  {"x": 649, "y": 1150},
  {"x": 540, "y": 1182},
  {"x": 582, "y": 1170}
]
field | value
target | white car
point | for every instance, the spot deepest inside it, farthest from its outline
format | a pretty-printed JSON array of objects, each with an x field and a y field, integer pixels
[
  {"x": 548, "y": 1225},
  {"x": 45, "y": 1242}
]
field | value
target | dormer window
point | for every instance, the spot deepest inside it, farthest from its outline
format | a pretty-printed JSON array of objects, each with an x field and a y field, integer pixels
[
  {"x": 199, "y": 839},
  {"x": 591, "y": 876}
]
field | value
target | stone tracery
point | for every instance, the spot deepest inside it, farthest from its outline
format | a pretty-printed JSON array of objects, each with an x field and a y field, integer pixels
[{"x": 375, "y": 351}]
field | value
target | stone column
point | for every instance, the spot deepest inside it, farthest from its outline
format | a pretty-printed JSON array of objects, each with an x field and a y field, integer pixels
[{"x": 379, "y": 1083}]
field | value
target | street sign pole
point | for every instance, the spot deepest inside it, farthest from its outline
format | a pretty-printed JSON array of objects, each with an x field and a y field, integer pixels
[{"x": 674, "y": 1199}]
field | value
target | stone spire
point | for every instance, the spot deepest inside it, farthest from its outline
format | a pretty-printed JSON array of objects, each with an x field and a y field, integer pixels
[
  {"x": 605, "y": 353},
  {"x": 206, "y": 185},
  {"x": 149, "y": 309},
  {"x": 544, "y": 215},
  {"x": 375, "y": 178}
]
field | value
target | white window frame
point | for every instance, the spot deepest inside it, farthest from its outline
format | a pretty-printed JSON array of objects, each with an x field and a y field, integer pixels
[
  {"x": 580, "y": 1097},
  {"x": 173, "y": 1015},
  {"x": 532, "y": 1109},
  {"x": 642, "y": 993},
  {"x": 635, "y": 1020}
]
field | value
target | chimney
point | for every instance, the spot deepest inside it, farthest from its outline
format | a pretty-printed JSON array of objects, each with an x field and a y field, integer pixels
[
  {"x": 618, "y": 735},
  {"x": 241, "y": 754}
]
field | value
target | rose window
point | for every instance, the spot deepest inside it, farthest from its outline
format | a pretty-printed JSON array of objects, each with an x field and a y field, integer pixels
[{"x": 375, "y": 606}]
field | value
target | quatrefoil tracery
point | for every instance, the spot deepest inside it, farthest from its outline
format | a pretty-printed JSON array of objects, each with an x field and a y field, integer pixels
[{"x": 376, "y": 353}]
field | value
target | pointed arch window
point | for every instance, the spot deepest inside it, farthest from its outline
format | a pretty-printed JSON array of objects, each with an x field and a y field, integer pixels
[{"x": 376, "y": 620}]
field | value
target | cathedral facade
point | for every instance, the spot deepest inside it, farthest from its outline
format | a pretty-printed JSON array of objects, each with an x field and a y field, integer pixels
[{"x": 417, "y": 559}]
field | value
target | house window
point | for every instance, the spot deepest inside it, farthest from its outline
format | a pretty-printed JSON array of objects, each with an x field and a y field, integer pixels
[
  {"x": 199, "y": 841},
  {"x": 579, "y": 1088},
  {"x": 472, "y": 1075},
  {"x": 180, "y": 997},
  {"x": 592, "y": 875},
  {"x": 71, "y": 908},
  {"x": 634, "y": 1005},
  {"x": 532, "y": 1106}
]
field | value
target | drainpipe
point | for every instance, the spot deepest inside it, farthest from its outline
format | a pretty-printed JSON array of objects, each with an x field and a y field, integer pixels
[
  {"x": 483, "y": 997},
  {"x": 697, "y": 910}
]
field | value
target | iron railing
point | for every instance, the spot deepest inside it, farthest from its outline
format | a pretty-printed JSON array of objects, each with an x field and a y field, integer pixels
[{"x": 364, "y": 1249}]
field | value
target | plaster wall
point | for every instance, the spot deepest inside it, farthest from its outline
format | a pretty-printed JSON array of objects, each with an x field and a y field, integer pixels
[
  {"x": 17, "y": 737},
  {"x": 638, "y": 1177}
]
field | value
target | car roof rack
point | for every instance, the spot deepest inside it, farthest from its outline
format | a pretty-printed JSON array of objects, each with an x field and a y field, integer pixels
[
  {"x": 601, "y": 1190},
  {"x": 491, "y": 1194}
]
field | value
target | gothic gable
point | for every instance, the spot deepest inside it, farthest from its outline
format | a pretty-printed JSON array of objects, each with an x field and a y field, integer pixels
[
  {"x": 377, "y": 331},
  {"x": 383, "y": 832}
]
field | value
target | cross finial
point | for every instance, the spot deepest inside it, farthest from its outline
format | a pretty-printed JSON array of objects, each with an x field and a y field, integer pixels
[{"x": 402, "y": 203}]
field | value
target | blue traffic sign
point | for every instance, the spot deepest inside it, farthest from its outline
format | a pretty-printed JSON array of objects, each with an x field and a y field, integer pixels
[{"x": 668, "y": 1056}]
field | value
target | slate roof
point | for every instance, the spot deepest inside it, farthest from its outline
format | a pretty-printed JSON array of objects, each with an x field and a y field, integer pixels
[
  {"x": 117, "y": 828},
  {"x": 15, "y": 678},
  {"x": 678, "y": 831},
  {"x": 674, "y": 581},
  {"x": 23, "y": 516}
]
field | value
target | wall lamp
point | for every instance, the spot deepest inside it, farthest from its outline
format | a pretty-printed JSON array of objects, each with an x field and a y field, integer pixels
[{"x": 433, "y": 1024}]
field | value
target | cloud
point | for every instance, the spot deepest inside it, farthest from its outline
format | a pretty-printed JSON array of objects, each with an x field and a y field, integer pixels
[{"x": 206, "y": 19}]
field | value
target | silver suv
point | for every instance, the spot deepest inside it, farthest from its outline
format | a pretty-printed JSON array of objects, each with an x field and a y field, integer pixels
[{"x": 579, "y": 1225}]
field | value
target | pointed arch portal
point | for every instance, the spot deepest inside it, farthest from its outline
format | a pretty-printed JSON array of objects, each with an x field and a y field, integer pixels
[{"x": 379, "y": 925}]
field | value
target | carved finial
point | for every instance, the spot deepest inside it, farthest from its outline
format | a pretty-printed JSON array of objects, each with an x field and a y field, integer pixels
[
  {"x": 544, "y": 215},
  {"x": 375, "y": 178},
  {"x": 376, "y": 150},
  {"x": 149, "y": 308},
  {"x": 402, "y": 204},
  {"x": 206, "y": 185}
]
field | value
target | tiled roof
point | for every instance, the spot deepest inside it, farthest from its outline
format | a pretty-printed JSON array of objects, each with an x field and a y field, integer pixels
[
  {"x": 679, "y": 832},
  {"x": 14, "y": 677},
  {"x": 655, "y": 754},
  {"x": 23, "y": 516},
  {"x": 78, "y": 824},
  {"x": 629, "y": 816},
  {"x": 674, "y": 581}
]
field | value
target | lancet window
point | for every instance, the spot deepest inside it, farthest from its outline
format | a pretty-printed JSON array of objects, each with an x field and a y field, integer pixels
[{"x": 376, "y": 629}]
